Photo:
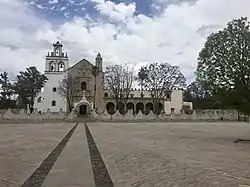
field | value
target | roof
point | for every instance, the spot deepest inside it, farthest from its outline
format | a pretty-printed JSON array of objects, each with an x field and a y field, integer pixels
[{"x": 81, "y": 61}]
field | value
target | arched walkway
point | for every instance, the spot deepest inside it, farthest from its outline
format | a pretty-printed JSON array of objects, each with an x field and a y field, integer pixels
[
  {"x": 149, "y": 107},
  {"x": 139, "y": 107},
  {"x": 159, "y": 108},
  {"x": 130, "y": 106},
  {"x": 110, "y": 107},
  {"x": 121, "y": 107}
]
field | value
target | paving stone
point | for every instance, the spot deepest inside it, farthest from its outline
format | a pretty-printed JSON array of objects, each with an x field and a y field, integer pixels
[
  {"x": 174, "y": 154},
  {"x": 24, "y": 146},
  {"x": 73, "y": 167}
]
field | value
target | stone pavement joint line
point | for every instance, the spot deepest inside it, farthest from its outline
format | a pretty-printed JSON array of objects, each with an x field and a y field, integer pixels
[
  {"x": 39, "y": 175},
  {"x": 100, "y": 171}
]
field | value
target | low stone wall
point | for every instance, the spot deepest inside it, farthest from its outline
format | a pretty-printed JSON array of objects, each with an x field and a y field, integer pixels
[{"x": 197, "y": 115}]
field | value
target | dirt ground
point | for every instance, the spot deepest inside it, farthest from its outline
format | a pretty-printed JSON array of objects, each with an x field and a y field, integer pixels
[{"x": 135, "y": 154}]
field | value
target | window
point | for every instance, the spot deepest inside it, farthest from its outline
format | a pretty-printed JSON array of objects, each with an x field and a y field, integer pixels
[
  {"x": 53, "y": 103},
  {"x": 132, "y": 95},
  {"x": 57, "y": 52},
  {"x": 168, "y": 96},
  {"x": 40, "y": 100},
  {"x": 106, "y": 94},
  {"x": 54, "y": 89},
  {"x": 172, "y": 110},
  {"x": 83, "y": 86},
  {"x": 61, "y": 66},
  {"x": 52, "y": 66},
  {"x": 83, "y": 74}
]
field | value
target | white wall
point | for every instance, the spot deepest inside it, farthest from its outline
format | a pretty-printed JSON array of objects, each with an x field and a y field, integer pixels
[
  {"x": 53, "y": 81},
  {"x": 176, "y": 102}
]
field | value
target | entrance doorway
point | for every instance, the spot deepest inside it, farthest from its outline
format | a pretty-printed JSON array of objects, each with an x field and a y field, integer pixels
[{"x": 83, "y": 110}]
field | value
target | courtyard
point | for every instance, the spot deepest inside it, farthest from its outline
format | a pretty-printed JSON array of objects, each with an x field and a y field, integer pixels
[{"x": 125, "y": 154}]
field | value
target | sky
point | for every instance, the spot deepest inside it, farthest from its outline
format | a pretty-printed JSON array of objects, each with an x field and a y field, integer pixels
[{"x": 124, "y": 31}]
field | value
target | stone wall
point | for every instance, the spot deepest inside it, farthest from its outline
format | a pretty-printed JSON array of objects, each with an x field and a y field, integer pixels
[
  {"x": 218, "y": 114},
  {"x": 197, "y": 115}
]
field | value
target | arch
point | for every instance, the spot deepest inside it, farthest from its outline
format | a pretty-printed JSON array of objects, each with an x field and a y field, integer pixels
[
  {"x": 53, "y": 103},
  {"x": 61, "y": 66},
  {"x": 52, "y": 66},
  {"x": 121, "y": 107},
  {"x": 130, "y": 106},
  {"x": 83, "y": 86},
  {"x": 57, "y": 51},
  {"x": 40, "y": 99},
  {"x": 82, "y": 108},
  {"x": 54, "y": 89},
  {"x": 139, "y": 107},
  {"x": 110, "y": 107},
  {"x": 149, "y": 107},
  {"x": 159, "y": 108}
]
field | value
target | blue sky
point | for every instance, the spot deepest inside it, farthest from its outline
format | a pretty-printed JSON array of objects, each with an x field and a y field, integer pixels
[{"x": 123, "y": 31}]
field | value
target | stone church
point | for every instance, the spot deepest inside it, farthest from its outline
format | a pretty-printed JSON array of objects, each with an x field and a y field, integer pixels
[{"x": 57, "y": 67}]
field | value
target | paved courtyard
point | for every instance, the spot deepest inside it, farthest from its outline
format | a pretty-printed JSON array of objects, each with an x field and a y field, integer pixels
[{"x": 123, "y": 155}]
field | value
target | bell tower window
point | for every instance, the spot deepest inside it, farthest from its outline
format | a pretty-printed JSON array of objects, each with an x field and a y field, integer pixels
[
  {"x": 52, "y": 66},
  {"x": 57, "y": 52},
  {"x": 61, "y": 66}
]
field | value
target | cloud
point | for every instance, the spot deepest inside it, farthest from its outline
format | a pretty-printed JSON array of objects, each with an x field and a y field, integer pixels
[
  {"x": 53, "y": 1},
  {"x": 175, "y": 34}
]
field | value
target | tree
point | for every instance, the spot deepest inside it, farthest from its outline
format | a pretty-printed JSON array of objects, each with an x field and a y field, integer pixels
[
  {"x": 28, "y": 85},
  {"x": 119, "y": 79},
  {"x": 224, "y": 65},
  {"x": 196, "y": 94},
  {"x": 160, "y": 79},
  {"x": 6, "y": 92},
  {"x": 95, "y": 72},
  {"x": 68, "y": 88}
]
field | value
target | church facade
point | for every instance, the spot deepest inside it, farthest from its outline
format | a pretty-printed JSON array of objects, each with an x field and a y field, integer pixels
[{"x": 57, "y": 67}]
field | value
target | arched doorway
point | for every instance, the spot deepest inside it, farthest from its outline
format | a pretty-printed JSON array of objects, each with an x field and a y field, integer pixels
[{"x": 83, "y": 110}]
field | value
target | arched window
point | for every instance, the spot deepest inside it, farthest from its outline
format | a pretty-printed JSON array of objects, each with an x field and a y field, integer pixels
[
  {"x": 61, "y": 66},
  {"x": 53, "y": 103},
  {"x": 54, "y": 89},
  {"x": 83, "y": 86},
  {"x": 106, "y": 94},
  {"x": 39, "y": 99},
  {"x": 52, "y": 66},
  {"x": 57, "y": 52}
]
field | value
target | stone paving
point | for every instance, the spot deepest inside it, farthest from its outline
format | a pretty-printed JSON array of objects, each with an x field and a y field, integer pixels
[{"x": 145, "y": 154}]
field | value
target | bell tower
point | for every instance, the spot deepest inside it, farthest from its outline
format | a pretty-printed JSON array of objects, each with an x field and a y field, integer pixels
[
  {"x": 98, "y": 61},
  {"x": 57, "y": 60}
]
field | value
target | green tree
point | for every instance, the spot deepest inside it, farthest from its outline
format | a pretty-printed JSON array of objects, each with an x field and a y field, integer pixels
[
  {"x": 28, "y": 85},
  {"x": 160, "y": 79},
  {"x": 6, "y": 92},
  {"x": 224, "y": 66},
  {"x": 196, "y": 94},
  {"x": 95, "y": 72}
]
